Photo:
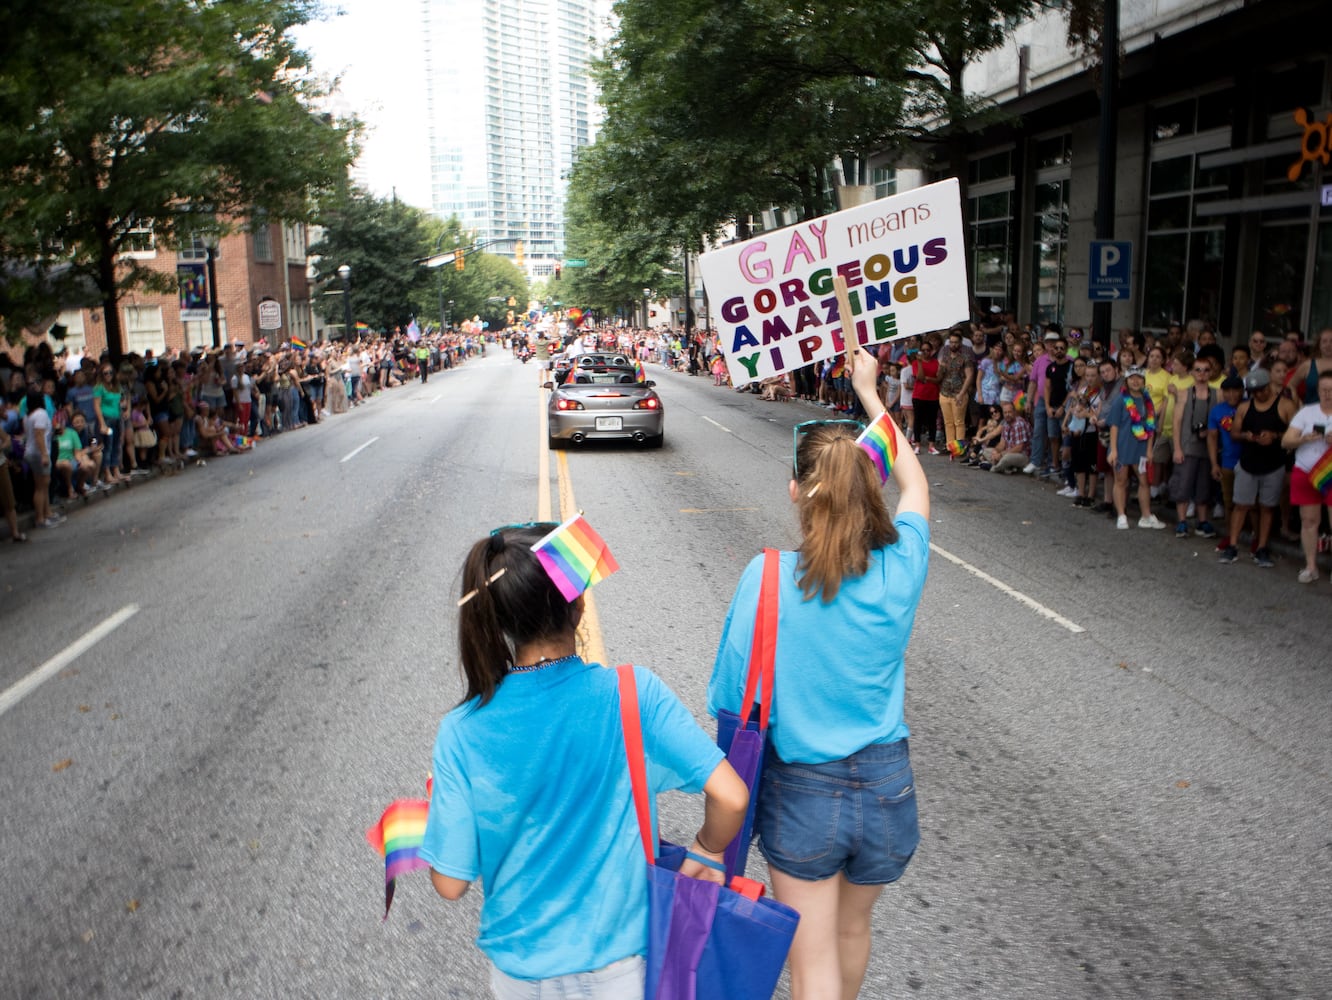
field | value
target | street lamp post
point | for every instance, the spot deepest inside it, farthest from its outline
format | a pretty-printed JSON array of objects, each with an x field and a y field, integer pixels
[
  {"x": 344, "y": 272},
  {"x": 448, "y": 314},
  {"x": 210, "y": 245},
  {"x": 647, "y": 318}
]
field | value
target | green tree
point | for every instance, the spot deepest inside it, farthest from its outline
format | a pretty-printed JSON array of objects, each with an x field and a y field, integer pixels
[{"x": 120, "y": 117}]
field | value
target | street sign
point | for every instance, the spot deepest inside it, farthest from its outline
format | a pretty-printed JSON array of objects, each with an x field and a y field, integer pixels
[
  {"x": 270, "y": 314},
  {"x": 1326, "y": 195},
  {"x": 575, "y": 262},
  {"x": 1110, "y": 273}
]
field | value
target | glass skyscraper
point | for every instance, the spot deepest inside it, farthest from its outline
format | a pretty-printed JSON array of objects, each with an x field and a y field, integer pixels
[{"x": 510, "y": 100}]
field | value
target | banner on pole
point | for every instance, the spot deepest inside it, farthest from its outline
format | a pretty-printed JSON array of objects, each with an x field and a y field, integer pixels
[
  {"x": 904, "y": 265},
  {"x": 193, "y": 282}
]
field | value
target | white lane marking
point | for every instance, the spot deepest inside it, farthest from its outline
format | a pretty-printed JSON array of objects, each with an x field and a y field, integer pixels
[
  {"x": 20, "y": 690},
  {"x": 1017, "y": 595},
  {"x": 356, "y": 451},
  {"x": 434, "y": 399},
  {"x": 715, "y": 424}
]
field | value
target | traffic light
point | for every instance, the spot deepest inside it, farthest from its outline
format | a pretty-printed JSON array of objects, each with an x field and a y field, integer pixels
[
  {"x": 557, "y": 272},
  {"x": 518, "y": 253},
  {"x": 458, "y": 261}
]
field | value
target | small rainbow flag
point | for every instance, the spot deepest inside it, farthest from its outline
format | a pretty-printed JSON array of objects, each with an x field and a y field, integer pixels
[
  {"x": 299, "y": 344},
  {"x": 956, "y": 448},
  {"x": 639, "y": 374},
  {"x": 572, "y": 377},
  {"x": 880, "y": 443},
  {"x": 575, "y": 557},
  {"x": 1020, "y": 402},
  {"x": 1321, "y": 473},
  {"x": 362, "y": 327},
  {"x": 397, "y": 837}
]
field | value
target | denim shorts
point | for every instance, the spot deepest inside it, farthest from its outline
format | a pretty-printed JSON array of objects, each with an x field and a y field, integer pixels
[
  {"x": 856, "y": 816},
  {"x": 622, "y": 980}
]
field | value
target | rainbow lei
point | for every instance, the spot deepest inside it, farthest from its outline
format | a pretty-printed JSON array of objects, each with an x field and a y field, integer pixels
[{"x": 1142, "y": 428}]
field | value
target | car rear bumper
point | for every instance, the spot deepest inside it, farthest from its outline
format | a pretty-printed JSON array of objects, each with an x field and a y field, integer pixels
[{"x": 566, "y": 424}]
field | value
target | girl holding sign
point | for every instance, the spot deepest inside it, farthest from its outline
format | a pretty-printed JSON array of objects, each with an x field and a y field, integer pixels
[{"x": 836, "y": 815}]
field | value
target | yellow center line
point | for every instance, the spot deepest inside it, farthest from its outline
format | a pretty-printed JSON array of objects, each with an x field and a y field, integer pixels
[{"x": 591, "y": 644}]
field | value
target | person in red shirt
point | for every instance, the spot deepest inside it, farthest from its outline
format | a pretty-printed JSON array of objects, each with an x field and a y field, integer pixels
[{"x": 925, "y": 395}]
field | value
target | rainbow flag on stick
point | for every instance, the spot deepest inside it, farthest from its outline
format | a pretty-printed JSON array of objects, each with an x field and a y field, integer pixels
[
  {"x": 880, "y": 443},
  {"x": 397, "y": 837},
  {"x": 575, "y": 557},
  {"x": 1321, "y": 473},
  {"x": 956, "y": 448}
]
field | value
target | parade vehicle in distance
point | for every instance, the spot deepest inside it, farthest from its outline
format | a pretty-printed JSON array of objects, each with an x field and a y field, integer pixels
[{"x": 605, "y": 399}]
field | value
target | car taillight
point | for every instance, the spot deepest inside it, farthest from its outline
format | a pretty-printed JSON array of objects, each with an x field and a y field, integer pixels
[
  {"x": 568, "y": 404},
  {"x": 651, "y": 403}
]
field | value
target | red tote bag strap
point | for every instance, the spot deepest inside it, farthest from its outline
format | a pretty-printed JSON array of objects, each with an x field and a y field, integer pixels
[
  {"x": 632, "y": 725},
  {"x": 763, "y": 649}
]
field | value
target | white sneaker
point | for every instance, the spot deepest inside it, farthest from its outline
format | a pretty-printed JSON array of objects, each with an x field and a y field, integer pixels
[
  {"x": 1191, "y": 511},
  {"x": 1067, "y": 491},
  {"x": 1156, "y": 492},
  {"x": 1122, "y": 523},
  {"x": 1151, "y": 521},
  {"x": 1218, "y": 512},
  {"x": 191, "y": 453},
  {"x": 1029, "y": 468}
]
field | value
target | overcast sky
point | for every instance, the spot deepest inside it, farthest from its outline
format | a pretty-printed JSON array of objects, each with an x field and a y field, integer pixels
[{"x": 375, "y": 47}]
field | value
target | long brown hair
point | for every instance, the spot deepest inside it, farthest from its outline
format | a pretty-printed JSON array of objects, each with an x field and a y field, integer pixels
[
  {"x": 842, "y": 512},
  {"x": 506, "y": 609}
]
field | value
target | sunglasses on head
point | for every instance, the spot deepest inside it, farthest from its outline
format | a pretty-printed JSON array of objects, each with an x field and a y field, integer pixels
[
  {"x": 801, "y": 429},
  {"x": 519, "y": 526}
]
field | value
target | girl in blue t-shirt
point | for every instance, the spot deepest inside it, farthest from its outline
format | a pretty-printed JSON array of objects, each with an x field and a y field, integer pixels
[
  {"x": 531, "y": 789},
  {"x": 836, "y": 815}
]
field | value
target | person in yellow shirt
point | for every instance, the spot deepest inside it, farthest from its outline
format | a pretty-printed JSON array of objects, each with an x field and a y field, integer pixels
[{"x": 1178, "y": 378}]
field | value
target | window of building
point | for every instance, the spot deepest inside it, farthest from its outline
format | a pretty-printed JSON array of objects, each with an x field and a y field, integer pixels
[
  {"x": 139, "y": 242},
  {"x": 75, "y": 339},
  {"x": 298, "y": 321},
  {"x": 1183, "y": 258},
  {"x": 144, "y": 330},
  {"x": 194, "y": 249},
  {"x": 199, "y": 333},
  {"x": 263, "y": 243},
  {"x": 1050, "y": 253},
  {"x": 990, "y": 219},
  {"x": 885, "y": 181},
  {"x": 293, "y": 244}
]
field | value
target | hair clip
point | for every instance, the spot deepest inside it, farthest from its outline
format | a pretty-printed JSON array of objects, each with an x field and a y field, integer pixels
[
  {"x": 810, "y": 494},
  {"x": 489, "y": 580}
]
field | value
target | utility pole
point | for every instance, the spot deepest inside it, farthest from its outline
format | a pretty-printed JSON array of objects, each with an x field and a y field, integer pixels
[{"x": 1109, "y": 150}]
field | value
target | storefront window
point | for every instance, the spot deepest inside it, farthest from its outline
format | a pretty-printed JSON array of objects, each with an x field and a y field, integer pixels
[
  {"x": 1051, "y": 261},
  {"x": 990, "y": 219},
  {"x": 1320, "y": 311},
  {"x": 1283, "y": 248}
]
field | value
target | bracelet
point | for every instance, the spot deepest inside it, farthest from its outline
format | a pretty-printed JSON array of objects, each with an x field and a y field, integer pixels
[
  {"x": 706, "y": 848},
  {"x": 706, "y": 862}
]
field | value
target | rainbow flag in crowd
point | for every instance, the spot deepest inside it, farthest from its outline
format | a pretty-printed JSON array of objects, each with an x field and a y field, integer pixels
[
  {"x": 1321, "y": 474},
  {"x": 956, "y": 448},
  {"x": 880, "y": 444},
  {"x": 397, "y": 837},
  {"x": 1020, "y": 402},
  {"x": 639, "y": 374},
  {"x": 362, "y": 327},
  {"x": 572, "y": 377},
  {"x": 575, "y": 557},
  {"x": 299, "y": 344}
]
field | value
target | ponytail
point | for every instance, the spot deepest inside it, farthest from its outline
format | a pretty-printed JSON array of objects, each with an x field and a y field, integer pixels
[
  {"x": 509, "y": 602},
  {"x": 842, "y": 512}
]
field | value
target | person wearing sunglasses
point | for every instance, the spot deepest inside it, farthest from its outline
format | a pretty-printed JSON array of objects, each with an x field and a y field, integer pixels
[
  {"x": 531, "y": 790},
  {"x": 1191, "y": 482},
  {"x": 836, "y": 813}
]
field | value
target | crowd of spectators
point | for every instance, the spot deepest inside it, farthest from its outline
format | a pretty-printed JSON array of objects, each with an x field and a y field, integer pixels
[{"x": 72, "y": 425}]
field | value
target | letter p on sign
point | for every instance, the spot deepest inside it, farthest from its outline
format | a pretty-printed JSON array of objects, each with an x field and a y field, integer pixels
[{"x": 1111, "y": 270}]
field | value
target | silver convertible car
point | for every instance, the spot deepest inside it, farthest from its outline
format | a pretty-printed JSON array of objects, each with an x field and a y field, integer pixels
[{"x": 601, "y": 398}]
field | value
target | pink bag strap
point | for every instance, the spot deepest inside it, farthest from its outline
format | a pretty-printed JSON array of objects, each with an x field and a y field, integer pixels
[
  {"x": 632, "y": 725},
  {"x": 763, "y": 650}
]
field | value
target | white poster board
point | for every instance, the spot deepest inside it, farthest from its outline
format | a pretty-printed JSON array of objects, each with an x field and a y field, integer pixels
[{"x": 903, "y": 260}]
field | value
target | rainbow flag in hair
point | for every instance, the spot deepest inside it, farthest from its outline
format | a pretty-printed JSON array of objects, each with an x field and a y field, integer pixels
[
  {"x": 397, "y": 837},
  {"x": 1321, "y": 473},
  {"x": 1020, "y": 402},
  {"x": 575, "y": 557},
  {"x": 956, "y": 448},
  {"x": 880, "y": 444}
]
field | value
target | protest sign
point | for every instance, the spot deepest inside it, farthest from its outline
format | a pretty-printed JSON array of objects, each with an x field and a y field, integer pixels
[{"x": 904, "y": 265}]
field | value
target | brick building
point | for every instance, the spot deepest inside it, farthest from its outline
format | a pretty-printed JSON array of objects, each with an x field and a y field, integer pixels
[{"x": 263, "y": 262}]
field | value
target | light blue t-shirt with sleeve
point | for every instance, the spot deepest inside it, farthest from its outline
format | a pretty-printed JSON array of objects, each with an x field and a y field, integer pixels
[
  {"x": 532, "y": 796},
  {"x": 839, "y": 684}
]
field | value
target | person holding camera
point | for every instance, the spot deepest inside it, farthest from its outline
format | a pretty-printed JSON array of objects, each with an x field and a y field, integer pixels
[
  {"x": 1191, "y": 482},
  {"x": 1310, "y": 437}
]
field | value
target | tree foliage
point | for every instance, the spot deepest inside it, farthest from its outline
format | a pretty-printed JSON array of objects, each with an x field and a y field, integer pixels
[{"x": 121, "y": 115}]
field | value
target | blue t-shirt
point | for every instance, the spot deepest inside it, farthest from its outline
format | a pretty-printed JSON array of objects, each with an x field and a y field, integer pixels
[
  {"x": 839, "y": 684},
  {"x": 1219, "y": 420},
  {"x": 1129, "y": 450},
  {"x": 531, "y": 795}
]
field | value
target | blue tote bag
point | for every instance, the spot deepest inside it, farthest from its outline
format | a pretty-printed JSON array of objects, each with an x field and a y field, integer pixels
[
  {"x": 743, "y": 737},
  {"x": 705, "y": 942}
]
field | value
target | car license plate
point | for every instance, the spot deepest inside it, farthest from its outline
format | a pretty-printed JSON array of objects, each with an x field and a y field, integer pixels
[{"x": 610, "y": 423}]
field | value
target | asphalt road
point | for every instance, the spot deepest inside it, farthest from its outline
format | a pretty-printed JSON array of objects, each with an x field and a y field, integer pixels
[{"x": 1121, "y": 748}]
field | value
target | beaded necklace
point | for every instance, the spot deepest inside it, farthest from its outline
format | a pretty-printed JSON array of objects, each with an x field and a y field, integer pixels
[
  {"x": 1141, "y": 428},
  {"x": 542, "y": 664}
]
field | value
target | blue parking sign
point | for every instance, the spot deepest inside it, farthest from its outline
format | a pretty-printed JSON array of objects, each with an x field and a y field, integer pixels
[{"x": 1110, "y": 270}]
